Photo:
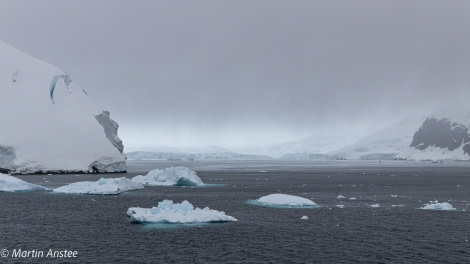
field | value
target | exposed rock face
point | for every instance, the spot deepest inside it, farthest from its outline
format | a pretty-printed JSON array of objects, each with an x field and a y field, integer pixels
[
  {"x": 110, "y": 129},
  {"x": 442, "y": 133},
  {"x": 7, "y": 156}
]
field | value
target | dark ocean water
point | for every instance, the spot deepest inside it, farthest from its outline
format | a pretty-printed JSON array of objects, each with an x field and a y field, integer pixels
[{"x": 97, "y": 227}]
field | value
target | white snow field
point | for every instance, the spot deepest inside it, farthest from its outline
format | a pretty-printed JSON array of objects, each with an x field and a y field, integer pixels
[
  {"x": 168, "y": 212},
  {"x": 12, "y": 184},
  {"x": 283, "y": 200},
  {"x": 435, "y": 205},
  {"x": 102, "y": 186},
  {"x": 50, "y": 124},
  {"x": 383, "y": 144},
  {"x": 173, "y": 176}
]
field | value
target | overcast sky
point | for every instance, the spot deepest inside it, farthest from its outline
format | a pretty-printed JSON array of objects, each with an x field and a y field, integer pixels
[{"x": 230, "y": 73}]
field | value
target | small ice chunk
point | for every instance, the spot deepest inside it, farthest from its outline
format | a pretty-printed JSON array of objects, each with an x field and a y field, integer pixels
[
  {"x": 340, "y": 197},
  {"x": 12, "y": 184},
  {"x": 304, "y": 217},
  {"x": 173, "y": 176},
  {"x": 173, "y": 213},
  {"x": 102, "y": 186},
  {"x": 375, "y": 205},
  {"x": 340, "y": 205},
  {"x": 435, "y": 205}
]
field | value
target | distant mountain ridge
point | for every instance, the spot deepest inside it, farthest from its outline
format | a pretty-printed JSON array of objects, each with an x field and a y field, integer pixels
[
  {"x": 443, "y": 135},
  {"x": 226, "y": 155}
]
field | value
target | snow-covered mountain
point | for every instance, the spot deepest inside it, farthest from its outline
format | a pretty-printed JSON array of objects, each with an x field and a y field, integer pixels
[
  {"x": 48, "y": 121},
  {"x": 384, "y": 144},
  {"x": 313, "y": 147},
  {"x": 442, "y": 136}
]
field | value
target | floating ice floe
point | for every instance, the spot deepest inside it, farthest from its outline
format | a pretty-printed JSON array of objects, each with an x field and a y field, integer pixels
[
  {"x": 435, "y": 205},
  {"x": 304, "y": 217},
  {"x": 168, "y": 212},
  {"x": 340, "y": 197},
  {"x": 173, "y": 176},
  {"x": 12, "y": 184},
  {"x": 102, "y": 186},
  {"x": 375, "y": 205},
  {"x": 283, "y": 200}
]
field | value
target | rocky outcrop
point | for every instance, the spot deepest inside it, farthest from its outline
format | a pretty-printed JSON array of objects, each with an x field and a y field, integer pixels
[
  {"x": 442, "y": 133},
  {"x": 110, "y": 129},
  {"x": 7, "y": 156}
]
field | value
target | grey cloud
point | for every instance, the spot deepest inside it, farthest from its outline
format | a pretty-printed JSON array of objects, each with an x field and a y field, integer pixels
[{"x": 203, "y": 66}]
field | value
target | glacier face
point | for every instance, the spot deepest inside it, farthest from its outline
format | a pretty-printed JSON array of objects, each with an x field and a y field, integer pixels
[{"x": 48, "y": 129}]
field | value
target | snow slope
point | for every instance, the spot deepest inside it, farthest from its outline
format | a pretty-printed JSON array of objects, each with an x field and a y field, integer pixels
[
  {"x": 47, "y": 127},
  {"x": 302, "y": 148},
  {"x": 384, "y": 144}
]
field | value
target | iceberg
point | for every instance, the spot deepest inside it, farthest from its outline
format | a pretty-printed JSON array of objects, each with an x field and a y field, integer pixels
[
  {"x": 173, "y": 176},
  {"x": 12, "y": 184},
  {"x": 283, "y": 200},
  {"x": 435, "y": 205},
  {"x": 102, "y": 186},
  {"x": 55, "y": 127},
  {"x": 168, "y": 212}
]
